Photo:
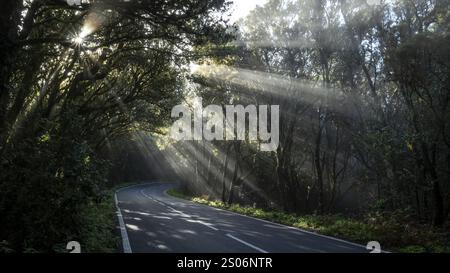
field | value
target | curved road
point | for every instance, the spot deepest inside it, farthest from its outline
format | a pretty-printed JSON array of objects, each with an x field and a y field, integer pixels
[{"x": 153, "y": 222}]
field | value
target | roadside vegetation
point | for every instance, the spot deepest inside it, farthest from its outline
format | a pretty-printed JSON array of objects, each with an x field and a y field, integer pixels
[
  {"x": 363, "y": 93},
  {"x": 96, "y": 233},
  {"x": 87, "y": 94},
  {"x": 395, "y": 231},
  {"x": 99, "y": 229},
  {"x": 79, "y": 87}
]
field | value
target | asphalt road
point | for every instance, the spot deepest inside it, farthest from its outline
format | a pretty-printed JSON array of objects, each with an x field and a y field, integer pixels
[{"x": 153, "y": 222}]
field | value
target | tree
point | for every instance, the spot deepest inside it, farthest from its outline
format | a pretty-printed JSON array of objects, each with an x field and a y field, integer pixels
[{"x": 74, "y": 79}]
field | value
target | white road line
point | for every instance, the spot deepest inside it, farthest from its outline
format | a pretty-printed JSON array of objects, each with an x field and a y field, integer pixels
[
  {"x": 247, "y": 244},
  {"x": 123, "y": 230},
  {"x": 154, "y": 199},
  {"x": 276, "y": 224},
  {"x": 179, "y": 212},
  {"x": 207, "y": 225},
  {"x": 202, "y": 222},
  {"x": 295, "y": 229},
  {"x": 258, "y": 219}
]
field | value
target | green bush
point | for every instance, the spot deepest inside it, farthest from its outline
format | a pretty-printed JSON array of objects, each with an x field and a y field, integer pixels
[
  {"x": 394, "y": 230},
  {"x": 97, "y": 228},
  {"x": 5, "y": 247},
  {"x": 45, "y": 184}
]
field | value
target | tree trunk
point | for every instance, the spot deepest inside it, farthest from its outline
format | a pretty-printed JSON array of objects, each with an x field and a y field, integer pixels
[
  {"x": 224, "y": 174},
  {"x": 237, "y": 148},
  {"x": 318, "y": 165}
]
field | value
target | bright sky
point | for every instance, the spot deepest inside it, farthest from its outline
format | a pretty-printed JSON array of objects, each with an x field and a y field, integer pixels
[{"x": 241, "y": 8}]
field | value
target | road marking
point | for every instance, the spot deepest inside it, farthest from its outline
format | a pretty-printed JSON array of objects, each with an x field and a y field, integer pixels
[
  {"x": 123, "y": 230},
  {"x": 242, "y": 215},
  {"x": 207, "y": 225},
  {"x": 293, "y": 228},
  {"x": 274, "y": 223},
  {"x": 247, "y": 244},
  {"x": 179, "y": 212}
]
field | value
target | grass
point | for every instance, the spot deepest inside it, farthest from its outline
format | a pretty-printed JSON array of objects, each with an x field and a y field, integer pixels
[
  {"x": 394, "y": 231},
  {"x": 98, "y": 233},
  {"x": 97, "y": 226},
  {"x": 175, "y": 193},
  {"x": 97, "y": 229}
]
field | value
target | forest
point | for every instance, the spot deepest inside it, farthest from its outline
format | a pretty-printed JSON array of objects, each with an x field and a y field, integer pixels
[{"x": 87, "y": 92}]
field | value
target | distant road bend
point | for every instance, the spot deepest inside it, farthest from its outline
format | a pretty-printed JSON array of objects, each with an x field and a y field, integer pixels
[{"x": 154, "y": 222}]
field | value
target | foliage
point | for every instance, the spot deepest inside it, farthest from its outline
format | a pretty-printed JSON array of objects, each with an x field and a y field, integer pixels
[
  {"x": 98, "y": 229},
  {"x": 173, "y": 192},
  {"x": 362, "y": 89},
  {"x": 73, "y": 80},
  {"x": 4, "y": 247},
  {"x": 394, "y": 230},
  {"x": 45, "y": 184},
  {"x": 364, "y": 109}
]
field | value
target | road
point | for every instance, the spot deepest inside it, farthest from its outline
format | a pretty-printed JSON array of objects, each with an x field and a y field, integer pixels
[{"x": 154, "y": 222}]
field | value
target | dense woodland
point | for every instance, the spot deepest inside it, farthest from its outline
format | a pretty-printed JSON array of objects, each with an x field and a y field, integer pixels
[
  {"x": 86, "y": 93},
  {"x": 364, "y": 99},
  {"x": 66, "y": 98}
]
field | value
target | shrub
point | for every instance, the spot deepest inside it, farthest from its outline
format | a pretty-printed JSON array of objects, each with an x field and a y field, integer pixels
[{"x": 394, "y": 230}]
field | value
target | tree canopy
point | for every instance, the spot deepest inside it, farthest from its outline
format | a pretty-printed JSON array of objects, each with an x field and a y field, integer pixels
[{"x": 86, "y": 94}]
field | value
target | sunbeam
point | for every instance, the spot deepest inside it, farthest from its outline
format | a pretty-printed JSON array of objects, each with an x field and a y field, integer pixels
[{"x": 262, "y": 81}]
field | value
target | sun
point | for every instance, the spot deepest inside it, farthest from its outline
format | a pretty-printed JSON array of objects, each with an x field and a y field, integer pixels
[
  {"x": 78, "y": 40},
  {"x": 193, "y": 67},
  {"x": 80, "y": 37}
]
